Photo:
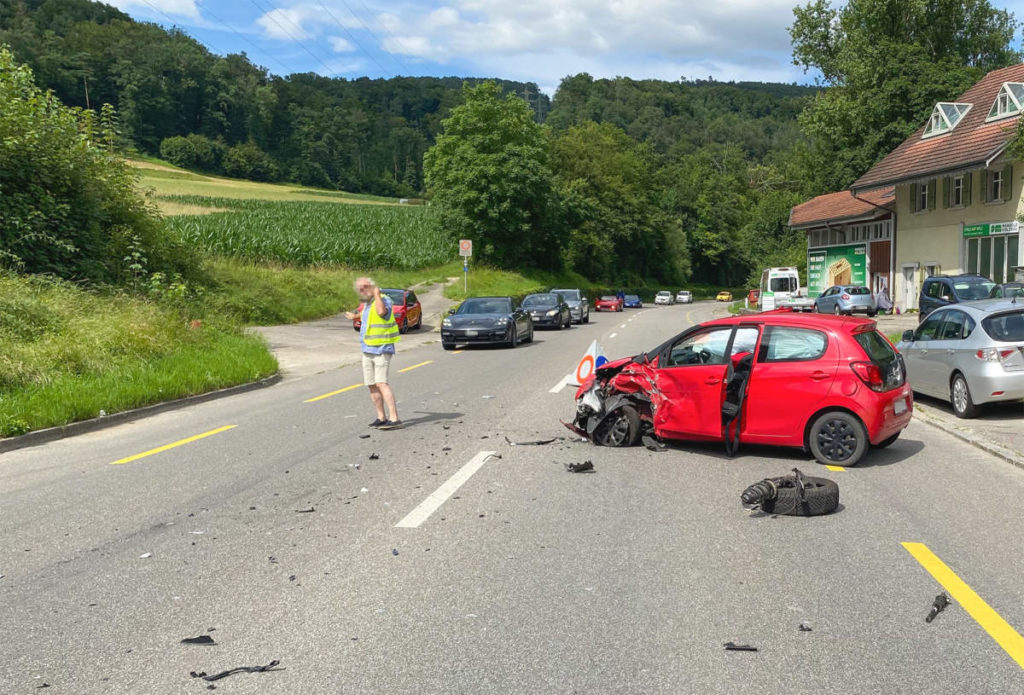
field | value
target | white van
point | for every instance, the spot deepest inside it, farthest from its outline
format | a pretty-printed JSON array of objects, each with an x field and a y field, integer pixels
[{"x": 777, "y": 286}]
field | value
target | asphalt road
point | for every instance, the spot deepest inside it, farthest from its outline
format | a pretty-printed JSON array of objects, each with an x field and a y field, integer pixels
[{"x": 525, "y": 578}]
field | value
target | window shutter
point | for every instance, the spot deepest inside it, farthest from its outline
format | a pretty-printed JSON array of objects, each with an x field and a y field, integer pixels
[
  {"x": 931, "y": 194},
  {"x": 914, "y": 198},
  {"x": 984, "y": 185},
  {"x": 1007, "y": 193},
  {"x": 968, "y": 179},
  {"x": 946, "y": 188}
]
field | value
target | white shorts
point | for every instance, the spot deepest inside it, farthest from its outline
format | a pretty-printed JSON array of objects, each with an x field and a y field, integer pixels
[{"x": 376, "y": 368}]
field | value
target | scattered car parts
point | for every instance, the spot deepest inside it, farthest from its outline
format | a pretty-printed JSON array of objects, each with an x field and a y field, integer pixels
[
  {"x": 241, "y": 669},
  {"x": 938, "y": 605},
  {"x": 733, "y": 647},
  {"x": 792, "y": 495},
  {"x": 584, "y": 467}
]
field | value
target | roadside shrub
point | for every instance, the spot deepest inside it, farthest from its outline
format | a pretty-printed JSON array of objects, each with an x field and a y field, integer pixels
[
  {"x": 178, "y": 151},
  {"x": 208, "y": 153},
  {"x": 68, "y": 202}
]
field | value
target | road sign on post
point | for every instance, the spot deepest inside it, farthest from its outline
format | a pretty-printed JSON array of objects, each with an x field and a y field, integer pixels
[{"x": 465, "y": 250}]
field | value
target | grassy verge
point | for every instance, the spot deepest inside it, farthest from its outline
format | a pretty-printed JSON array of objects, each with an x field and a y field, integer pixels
[{"x": 66, "y": 353}]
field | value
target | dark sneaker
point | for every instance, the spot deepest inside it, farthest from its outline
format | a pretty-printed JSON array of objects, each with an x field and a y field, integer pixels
[
  {"x": 377, "y": 423},
  {"x": 392, "y": 425}
]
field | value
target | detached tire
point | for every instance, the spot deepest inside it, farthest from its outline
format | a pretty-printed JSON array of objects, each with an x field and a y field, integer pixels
[
  {"x": 620, "y": 428},
  {"x": 821, "y": 496},
  {"x": 837, "y": 438}
]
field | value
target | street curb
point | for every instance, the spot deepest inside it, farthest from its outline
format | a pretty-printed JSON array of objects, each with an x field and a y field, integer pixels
[
  {"x": 72, "y": 429},
  {"x": 985, "y": 445}
]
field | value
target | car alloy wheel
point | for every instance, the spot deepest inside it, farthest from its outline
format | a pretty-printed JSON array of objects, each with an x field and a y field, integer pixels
[
  {"x": 838, "y": 438},
  {"x": 513, "y": 339},
  {"x": 619, "y": 429},
  {"x": 960, "y": 398},
  {"x": 838, "y": 311}
]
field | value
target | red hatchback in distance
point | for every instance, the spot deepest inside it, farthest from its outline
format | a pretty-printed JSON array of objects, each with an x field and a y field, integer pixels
[
  {"x": 830, "y": 385},
  {"x": 609, "y": 302},
  {"x": 407, "y": 309}
]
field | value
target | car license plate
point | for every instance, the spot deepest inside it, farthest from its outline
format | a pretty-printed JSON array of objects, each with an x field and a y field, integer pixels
[
  {"x": 472, "y": 334},
  {"x": 899, "y": 407}
]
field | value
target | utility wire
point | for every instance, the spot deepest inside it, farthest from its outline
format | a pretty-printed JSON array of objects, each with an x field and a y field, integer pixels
[
  {"x": 356, "y": 42},
  {"x": 269, "y": 14},
  {"x": 377, "y": 38},
  {"x": 177, "y": 24},
  {"x": 287, "y": 70}
]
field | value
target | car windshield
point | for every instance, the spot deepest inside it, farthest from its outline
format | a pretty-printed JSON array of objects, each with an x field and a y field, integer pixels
[
  {"x": 976, "y": 288},
  {"x": 396, "y": 296},
  {"x": 541, "y": 300},
  {"x": 498, "y": 305},
  {"x": 664, "y": 294},
  {"x": 569, "y": 295},
  {"x": 858, "y": 290},
  {"x": 609, "y": 298},
  {"x": 632, "y": 298},
  {"x": 1007, "y": 327},
  {"x": 787, "y": 284}
]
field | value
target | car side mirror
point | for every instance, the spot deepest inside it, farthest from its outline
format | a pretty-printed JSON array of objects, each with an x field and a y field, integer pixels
[
  {"x": 451, "y": 310},
  {"x": 908, "y": 336}
]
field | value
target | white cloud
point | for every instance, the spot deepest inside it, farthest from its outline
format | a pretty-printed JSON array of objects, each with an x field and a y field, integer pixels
[
  {"x": 341, "y": 45},
  {"x": 286, "y": 24},
  {"x": 180, "y": 8},
  {"x": 544, "y": 40}
]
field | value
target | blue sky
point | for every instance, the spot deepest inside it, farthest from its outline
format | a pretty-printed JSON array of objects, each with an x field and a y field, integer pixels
[{"x": 530, "y": 40}]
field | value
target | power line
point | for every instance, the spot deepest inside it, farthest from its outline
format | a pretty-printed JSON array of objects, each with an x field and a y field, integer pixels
[
  {"x": 377, "y": 39},
  {"x": 270, "y": 15},
  {"x": 350, "y": 35},
  {"x": 175, "y": 24},
  {"x": 206, "y": 10}
]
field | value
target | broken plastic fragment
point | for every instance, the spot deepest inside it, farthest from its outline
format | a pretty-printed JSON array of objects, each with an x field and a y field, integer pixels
[
  {"x": 938, "y": 605},
  {"x": 364, "y": 436},
  {"x": 535, "y": 442},
  {"x": 201, "y": 639},
  {"x": 733, "y": 647},
  {"x": 580, "y": 467},
  {"x": 653, "y": 444},
  {"x": 240, "y": 669},
  {"x": 805, "y": 627},
  {"x": 305, "y": 511},
  {"x": 374, "y": 457},
  {"x": 145, "y": 555}
]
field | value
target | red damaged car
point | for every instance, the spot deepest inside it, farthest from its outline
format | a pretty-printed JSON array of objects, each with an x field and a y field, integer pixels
[
  {"x": 608, "y": 303},
  {"x": 831, "y": 385}
]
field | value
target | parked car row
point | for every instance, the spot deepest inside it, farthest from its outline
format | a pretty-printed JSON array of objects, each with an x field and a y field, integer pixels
[{"x": 497, "y": 320}]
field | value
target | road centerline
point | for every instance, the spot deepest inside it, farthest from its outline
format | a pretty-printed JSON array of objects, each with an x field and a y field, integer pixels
[
  {"x": 332, "y": 393},
  {"x": 439, "y": 496},
  {"x": 415, "y": 366},
  {"x": 165, "y": 447},
  {"x": 990, "y": 621}
]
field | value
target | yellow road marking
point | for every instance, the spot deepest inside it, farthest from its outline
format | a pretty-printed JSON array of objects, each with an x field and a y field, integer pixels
[
  {"x": 421, "y": 364},
  {"x": 834, "y": 468},
  {"x": 332, "y": 393},
  {"x": 457, "y": 352},
  {"x": 165, "y": 447},
  {"x": 997, "y": 628}
]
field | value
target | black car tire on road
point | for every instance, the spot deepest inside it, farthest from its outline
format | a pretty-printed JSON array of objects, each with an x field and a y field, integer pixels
[
  {"x": 513, "y": 336},
  {"x": 404, "y": 328},
  {"x": 960, "y": 398},
  {"x": 586, "y": 317},
  {"x": 447, "y": 346},
  {"x": 620, "y": 428},
  {"x": 837, "y": 438},
  {"x": 820, "y": 496},
  {"x": 419, "y": 322},
  {"x": 529, "y": 337}
]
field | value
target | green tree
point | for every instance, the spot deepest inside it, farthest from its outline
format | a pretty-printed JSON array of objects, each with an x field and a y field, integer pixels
[
  {"x": 68, "y": 202},
  {"x": 248, "y": 161},
  {"x": 886, "y": 63},
  {"x": 489, "y": 177}
]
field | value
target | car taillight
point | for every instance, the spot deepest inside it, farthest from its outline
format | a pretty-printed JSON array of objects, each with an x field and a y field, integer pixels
[
  {"x": 870, "y": 374},
  {"x": 994, "y": 354},
  {"x": 846, "y": 297}
]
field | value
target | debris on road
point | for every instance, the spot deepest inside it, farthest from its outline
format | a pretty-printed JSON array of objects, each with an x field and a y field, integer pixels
[
  {"x": 938, "y": 605},
  {"x": 374, "y": 457},
  {"x": 305, "y": 511},
  {"x": 394, "y": 551},
  {"x": 145, "y": 556},
  {"x": 241, "y": 669},
  {"x": 793, "y": 495},
  {"x": 653, "y": 444},
  {"x": 535, "y": 442},
  {"x": 488, "y": 397},
  {"x": 584, "y": 467},
  {"x": 201, "y": 639},
  {"x": 273, "y": 560},
  {"x": 733, "y": 647},
  {"x": 364, "y": 436},
  {"x": 805, "y": 627}
]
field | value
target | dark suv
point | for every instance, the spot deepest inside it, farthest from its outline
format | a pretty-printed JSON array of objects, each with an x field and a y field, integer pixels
[{"x": 943, "y": 290}]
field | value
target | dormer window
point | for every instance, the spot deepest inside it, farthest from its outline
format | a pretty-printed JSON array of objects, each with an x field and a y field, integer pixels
[
  {"x": 944, "y": 118},
  {"x": 1008, "y": 102}
]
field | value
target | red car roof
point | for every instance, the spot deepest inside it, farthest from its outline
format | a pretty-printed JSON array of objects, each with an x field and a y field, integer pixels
[{"x": 785, "y": 317}]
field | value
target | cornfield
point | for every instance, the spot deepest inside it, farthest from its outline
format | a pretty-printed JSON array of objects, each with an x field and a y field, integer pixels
[{"x": 316, "y": 234}]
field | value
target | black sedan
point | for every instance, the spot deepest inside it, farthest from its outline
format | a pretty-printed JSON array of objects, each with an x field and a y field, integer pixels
[
  {"x": 479, "y": 320},
  {"x": 548, "y": 309}
]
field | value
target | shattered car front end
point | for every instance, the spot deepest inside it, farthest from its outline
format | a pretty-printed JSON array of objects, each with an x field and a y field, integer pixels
[{"x": 614, "y": 407}]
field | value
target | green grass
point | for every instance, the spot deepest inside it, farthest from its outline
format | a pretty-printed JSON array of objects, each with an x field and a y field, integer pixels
[
  {"x": 316, "y": 234},
  {"x": 67, "y": 353},
  {"x": 484, "y": 281}
]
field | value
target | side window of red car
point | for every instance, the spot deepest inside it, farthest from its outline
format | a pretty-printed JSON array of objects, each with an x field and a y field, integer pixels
[
  {"x": 708, "y": 347},
  {"x": 410, "y": 298},
  {"x": 788, "y": 344}
]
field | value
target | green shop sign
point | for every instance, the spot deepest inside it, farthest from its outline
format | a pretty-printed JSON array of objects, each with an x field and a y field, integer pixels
[
  {"x": 836, "y": 265},
  {"x": 990, "y": 228}
]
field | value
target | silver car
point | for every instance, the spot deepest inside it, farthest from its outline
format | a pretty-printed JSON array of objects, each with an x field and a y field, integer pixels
[
  {"x": 684, "y": 297},
  {"x": 579, "y": 310},
  {"x": 664, "y": 297},
  {"x": 969, "y": 354},
  {"x": 846, "y": 299}
]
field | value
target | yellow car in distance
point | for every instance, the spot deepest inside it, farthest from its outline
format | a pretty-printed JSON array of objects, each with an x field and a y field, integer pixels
[{"x": 724, "y": 296}]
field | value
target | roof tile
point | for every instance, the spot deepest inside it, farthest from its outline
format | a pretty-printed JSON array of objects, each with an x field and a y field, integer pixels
[{"x": 834, "y": 207}]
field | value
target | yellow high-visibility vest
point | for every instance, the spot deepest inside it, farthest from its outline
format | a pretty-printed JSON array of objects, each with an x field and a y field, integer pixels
[{"x": 380, "y": 330}]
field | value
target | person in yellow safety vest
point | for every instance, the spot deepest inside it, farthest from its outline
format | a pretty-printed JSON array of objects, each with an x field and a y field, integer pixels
[{"x": 378, "y": 333}]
